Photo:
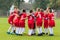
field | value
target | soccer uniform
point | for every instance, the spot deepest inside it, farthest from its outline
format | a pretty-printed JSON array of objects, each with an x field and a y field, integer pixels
[
  {"x": 22, "y": 23},
  {"x": 46, "y": 21},
  {"x": 51, "y": 20},
  {"x": 16, "y": 21},
  {"x": 16, "y": 24},
  {"x": 16, "y": 18},
  {"x": 22, "y": 20},
  {"x": 10, "y": 19},
  {"x": 31, "y": 22},
  {"x": 46, "y": 24},
  {"x": 51, "y": 23},
  {"x": 39, "y": 22},
  {"x": 42, "y": 15},
  {"x": 33, "y": 33},
  {"x": 38, "y": 19}
]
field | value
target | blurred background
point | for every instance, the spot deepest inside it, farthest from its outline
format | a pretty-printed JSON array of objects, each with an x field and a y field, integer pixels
[{"x": 5, "y": 5}]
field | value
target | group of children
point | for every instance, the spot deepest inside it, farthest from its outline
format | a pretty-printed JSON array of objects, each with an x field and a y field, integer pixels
[{"x": 35, "y": 20}]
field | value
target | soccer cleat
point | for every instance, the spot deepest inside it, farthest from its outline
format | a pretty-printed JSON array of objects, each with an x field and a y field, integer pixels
[
  {"x": 46, "y": 33},
  {"x": 40, "y": 34},
  {"x": 20, "y": 34},
  {"x": 17, "y": 34},
  {"x": 51, "y": 34},
  {"x": 33, "y": 34},
  {"x": 11, "y": 33},
  {"x": 43, "y": 33},
  {"x": 8, "y": 32},
  {"x": 14, "y": 31},
  {"x": 29, "y": 34}
]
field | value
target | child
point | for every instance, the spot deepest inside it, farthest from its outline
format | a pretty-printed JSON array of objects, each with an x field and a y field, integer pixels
[
  {"x": 46, "y": 22},
  {"x": 31, "y": 23},
  {"x": 51, "y": 22},
  {"x": 42, "y": 16},
  {"x": 22, "y": 22},
  {"x": 33, "y": 14},
  {"x": 39, "y": 22},
  {"x": 10, "y": 21},
  {"x": 16, "y": 23}
]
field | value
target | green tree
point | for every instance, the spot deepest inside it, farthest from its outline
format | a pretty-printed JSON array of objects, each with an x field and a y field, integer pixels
[
  {"x": 41, "y": 3},
  {"x": 55, "y": 4},
  {"x": 5, "y": 4}
]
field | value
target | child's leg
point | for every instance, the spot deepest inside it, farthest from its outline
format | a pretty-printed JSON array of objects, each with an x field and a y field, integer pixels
[
  {"x": 51, "y": 30},
  {"x": 14, "y": 29},
  {"x": 17, "y": 30},
  {"x": 23, "y": 29},
  {"x": 33, "y": 31},
  {"x": 30, "y": 32},
  {"x": 46, "y": 30},
  {"x": 10, "y": 28},
  {"x": 20, "y": 30},
  {"x": 40, "y": 30}
]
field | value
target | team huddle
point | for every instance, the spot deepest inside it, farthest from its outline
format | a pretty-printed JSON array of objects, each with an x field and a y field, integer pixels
[{"x": 35, "y": 20}]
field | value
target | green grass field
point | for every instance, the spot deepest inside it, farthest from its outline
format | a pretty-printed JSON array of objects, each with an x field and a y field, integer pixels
[{"x": 4, "y": 36}]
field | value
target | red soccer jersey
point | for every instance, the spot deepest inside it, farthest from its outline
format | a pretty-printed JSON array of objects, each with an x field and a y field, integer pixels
[
  {"x": 38, "y": 19},
  {"x": 30, "y": 18},
  {"x": 46, "y": 21},
  {"x": 10, "y": 19},
  {"x": 51, "y": 16},
  {"x": 42, "y": 14},
  {"x": 22, "y": 17},
  {"x": 46, "y": 16},
  {"x": 31, "y": 22},
  {"x": 51, "y": 20},
  {"x": 16, "y": 21},
  {"x": 22, "y": 20},
  {"x": 38, "y": 16}
]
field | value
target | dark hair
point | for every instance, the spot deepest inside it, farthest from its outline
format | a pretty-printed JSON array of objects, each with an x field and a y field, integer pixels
[
  {"x": 38, "y": 9},
  {"x": 50, "y": 10},
  {"x": 31, "y": 11},
  {"x": 24, "y": 10}
]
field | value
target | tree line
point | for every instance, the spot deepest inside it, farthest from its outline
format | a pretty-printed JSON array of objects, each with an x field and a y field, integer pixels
[{"x": 6, "y": 4}]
